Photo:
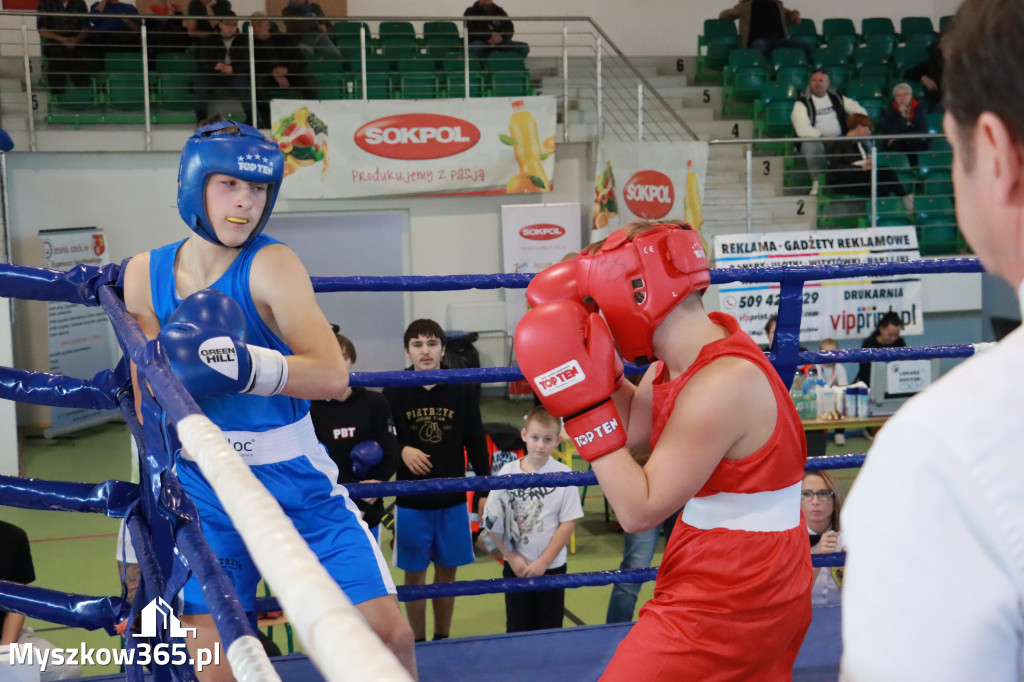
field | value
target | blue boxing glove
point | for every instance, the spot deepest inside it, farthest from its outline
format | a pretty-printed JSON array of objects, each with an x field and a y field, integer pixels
[
  {"x": 205, "y": 344},
  {"x": 365, "y": 456}
]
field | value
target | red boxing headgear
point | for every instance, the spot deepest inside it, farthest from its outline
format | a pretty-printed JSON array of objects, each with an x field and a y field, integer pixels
[{"x": 634, "y": 282}]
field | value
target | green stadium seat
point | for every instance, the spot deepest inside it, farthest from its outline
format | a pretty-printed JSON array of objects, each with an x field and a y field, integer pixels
[
  {"x": 454, "y": 68},
  {"x": 876, "y": 26},
  {"x": 420, "y": 85},
  {"x": 334, "y": 85},
  {"x": 397, "y": 49},
  {"x": 772, "y": 110},
  {"x": 123, "y": 62},
  {"x": 173, "y": 76},
  {"x": 916, "y": 26},
  {"x": 891, "y": 212},
  {"x": 805, "y": 30},
  {"x": 505, "y": 61},
  {"x": 351, "y": 29},
  {"x": 746, "y": 72},
  {"x": 827, "y": 56},
  {"x": 126, "y": 92},
  {"x": 881, "y": 42},
  {"x": 714, "y": 45},
  {"x": 798, "y": 76},
  {"x": 510, "y": 84},
  {"x": 395, "y": 29},
  {"x": 439, "y": 45},
  {"x": 788, "y": 56},
  {"x": 906, "y": 57},
  {"x": 836, "y": 27},
  {"x": 937, "y": 231},
  {"x": 447, "y": 29}
]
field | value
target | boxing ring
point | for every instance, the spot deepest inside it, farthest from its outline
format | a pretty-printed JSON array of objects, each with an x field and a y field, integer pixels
[{"x": 168, "y": 540}]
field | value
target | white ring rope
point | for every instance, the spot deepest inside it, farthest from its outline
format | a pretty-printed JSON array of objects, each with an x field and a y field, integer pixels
[{"x": 335, "y": 634}]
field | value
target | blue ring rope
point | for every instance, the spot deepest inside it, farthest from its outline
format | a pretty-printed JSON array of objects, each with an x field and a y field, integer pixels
[{"x": 89, "y": 286}]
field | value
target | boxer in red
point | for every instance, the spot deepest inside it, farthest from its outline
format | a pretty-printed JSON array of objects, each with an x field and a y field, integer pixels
[{"x": 732, "y": 600}]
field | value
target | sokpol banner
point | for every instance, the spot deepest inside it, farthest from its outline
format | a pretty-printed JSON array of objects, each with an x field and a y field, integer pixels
[
  {"x": 350, "y": 149},
  {"x": 834, "y": 308},
  {"x": 656, "y": 181}
]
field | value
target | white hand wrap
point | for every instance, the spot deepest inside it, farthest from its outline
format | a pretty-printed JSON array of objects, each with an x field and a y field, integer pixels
[{"x": 268, "y": 371}]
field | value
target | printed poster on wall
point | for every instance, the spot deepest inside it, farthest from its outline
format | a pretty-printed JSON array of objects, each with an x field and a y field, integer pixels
[
  {"x": 534, "y": 236},
  {"x": 835, "y": 308},
  {"x": 81, "y": 339},
  {"x": 351, "y": 148},
  {"x": 649, "y": 181}
]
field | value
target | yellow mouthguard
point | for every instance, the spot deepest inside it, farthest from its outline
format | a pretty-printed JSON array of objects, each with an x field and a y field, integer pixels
[{"x": 240, "y": 221}]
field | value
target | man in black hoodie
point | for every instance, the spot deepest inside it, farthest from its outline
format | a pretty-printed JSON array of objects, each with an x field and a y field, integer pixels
[{"x": 494, "y": 33}]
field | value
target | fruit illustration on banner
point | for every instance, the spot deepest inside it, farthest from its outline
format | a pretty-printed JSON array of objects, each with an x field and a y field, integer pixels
[
  {"x": 303, "y": 139},
  {"x": 526, "y": 145},
  {"x": 605, "y": 206},
  {"x": 693, "y": 213}
]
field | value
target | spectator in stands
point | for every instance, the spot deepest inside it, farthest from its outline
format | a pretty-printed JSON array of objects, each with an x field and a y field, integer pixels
[
  {"x": 906, "y": 116},
  {"x": 280, "y": 65},
  {"x": 849, "y": 163},
  {"x": 67, "y": 46},
  {"x": 929, "y": 73},
  {"x": 637, "y": 552},
  {"x": 886, "y": 335},
  {"x": 111, "y": 33},
  {"x": 16, "y": 566},
  {"x": 820, "y": 112},
  {"x": 223, "y": 63},
  {"x": 763, "y": 26},
  {"x": 313, "y": 34},
  {"x": 201, "y": 29},
  {"x": 494, "y": 33},
  {"x": 165, "y": 28},
  {"x": 439, "y": 427},
  {"x": 358, "y": 432},
  {"x": 821, "y": 500}
]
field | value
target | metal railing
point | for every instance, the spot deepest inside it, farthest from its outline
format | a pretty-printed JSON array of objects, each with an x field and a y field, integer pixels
[
  {"x": 601, "y": 94},
  {"x": 772, "y": 184}
]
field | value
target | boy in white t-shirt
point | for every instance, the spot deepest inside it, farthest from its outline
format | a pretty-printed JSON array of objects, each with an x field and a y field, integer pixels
[{"x": 531, "y": 527}]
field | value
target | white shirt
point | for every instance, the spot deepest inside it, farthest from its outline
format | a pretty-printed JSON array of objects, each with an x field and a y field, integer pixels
[
  {"x": 833, "y": 375},
  {"x": 934, "y": 525},
  {"x": 526, "y": 519},
  {"x": 825, "y": 118}
]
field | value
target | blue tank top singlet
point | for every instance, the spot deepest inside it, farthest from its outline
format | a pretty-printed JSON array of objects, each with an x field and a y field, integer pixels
[{"x": 237, "y": 412}]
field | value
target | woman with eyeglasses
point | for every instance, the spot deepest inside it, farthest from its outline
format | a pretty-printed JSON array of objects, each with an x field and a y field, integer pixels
[{"x": 821, "y": 501}]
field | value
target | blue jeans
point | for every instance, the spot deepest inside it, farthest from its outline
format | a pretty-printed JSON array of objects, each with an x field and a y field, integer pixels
[
  {"x": 637, "y": 552},
  {"x": 478, "y": 49}
]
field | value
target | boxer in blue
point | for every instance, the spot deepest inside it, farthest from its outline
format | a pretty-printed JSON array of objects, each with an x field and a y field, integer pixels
[{"x": 235, "y": 311}]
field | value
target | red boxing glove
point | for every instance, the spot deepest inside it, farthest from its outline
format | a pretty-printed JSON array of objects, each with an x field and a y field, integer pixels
[{"x": 568, "y": 356}]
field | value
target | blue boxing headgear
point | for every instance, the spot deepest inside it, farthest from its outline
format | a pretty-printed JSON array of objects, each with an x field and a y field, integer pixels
[{"x": 245, "y": 155}]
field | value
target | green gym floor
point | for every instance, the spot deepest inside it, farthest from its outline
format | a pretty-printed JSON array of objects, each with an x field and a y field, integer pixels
[{"x": 75, "y": 552}]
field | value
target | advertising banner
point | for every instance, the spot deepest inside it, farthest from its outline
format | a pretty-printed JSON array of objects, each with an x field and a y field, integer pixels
[
  {"x": 351, "y": 148},
  {"x": 656, "y": 181},
  {"x": 835, "y": 308},
  {"x": 81, "y": 339},
  {"x": 534, "y": 236}
]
